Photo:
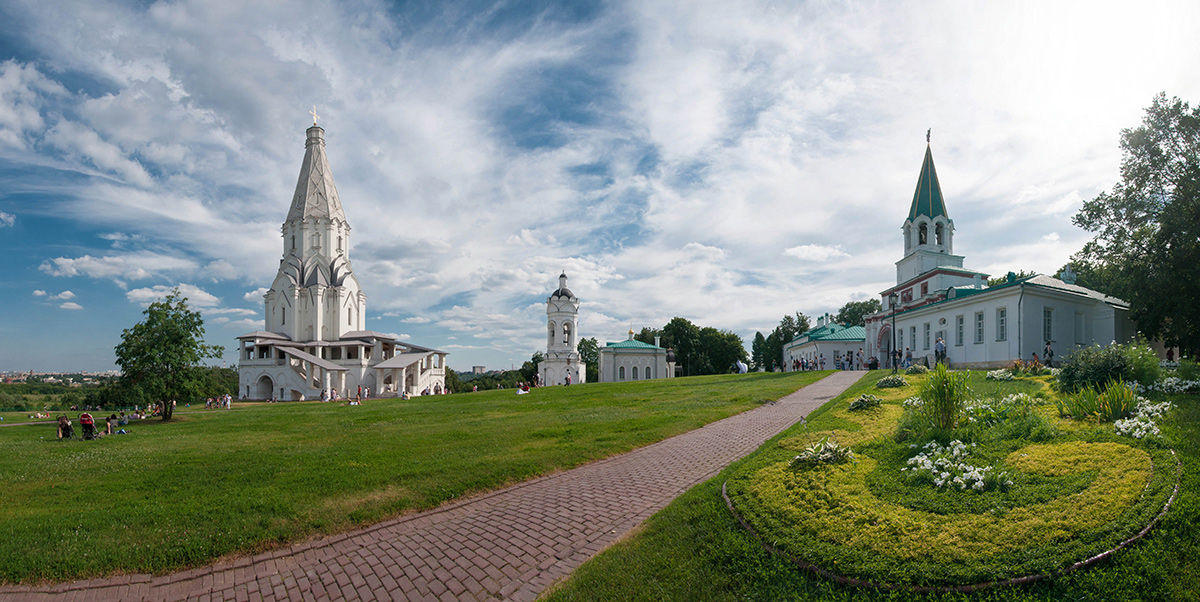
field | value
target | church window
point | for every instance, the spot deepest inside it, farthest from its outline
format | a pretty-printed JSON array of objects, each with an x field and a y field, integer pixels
[
  {"x": 567, "y": 334},
  {"x": 938, "y": 234},
  {"x": 339, "y": 243},
  {"x": 906, "y": 295},
  {"x": 1047, "y": 323},
  {"x": 924, "y": 288},
  {"x": 958, "y": 329},
  {"x": 349, "y": 319},
  {"x": 912, "y": 336},
  {"x": 1002, "y": 324},
  {"x": 647, "y": 372},
  {"x": 621, "y": 373},
  {"x": 926, "y": 346},
  {"x": 635, "y": 372},
  {"x": 293, "y": 242},
  {"x": 978, "y": 327},
  {"x": 923, "y": 234},
  {"x": 316, "y": 238},
  {"x": 283, "y": 318}
]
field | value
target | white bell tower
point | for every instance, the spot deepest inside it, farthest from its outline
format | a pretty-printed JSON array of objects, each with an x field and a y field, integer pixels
[{"x": 562, "y": 338}]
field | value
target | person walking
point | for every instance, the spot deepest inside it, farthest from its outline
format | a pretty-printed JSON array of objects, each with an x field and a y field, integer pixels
[
  {"x": 1048, "y": 355},
  {"x": 939, "y": 351}
]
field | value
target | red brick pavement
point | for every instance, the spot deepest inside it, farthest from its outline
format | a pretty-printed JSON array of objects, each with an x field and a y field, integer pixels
[{"x": 509, "y": 544}]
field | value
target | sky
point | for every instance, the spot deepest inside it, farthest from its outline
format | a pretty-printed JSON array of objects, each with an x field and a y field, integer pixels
[{"x": 725, "y": 162}]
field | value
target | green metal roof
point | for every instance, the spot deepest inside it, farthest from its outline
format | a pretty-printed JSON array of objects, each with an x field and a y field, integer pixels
[
  {"x": 833, "y": 332},
  {"x": 927, "y": 200},
  {"x": 631, "y": 345}
]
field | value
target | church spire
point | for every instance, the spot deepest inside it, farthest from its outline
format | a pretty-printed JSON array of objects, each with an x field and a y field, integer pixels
[
  {"x": 927, "y": 200},
  {"x": 316, "y": 195}
]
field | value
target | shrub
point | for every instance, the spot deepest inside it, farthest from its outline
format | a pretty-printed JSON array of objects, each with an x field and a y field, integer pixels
[
  {"x": 1117, "y": 400},
  {"x": 1093, "y": 367},
  {"x": 865, "y": 401},
  {"x": 916, "y": 369},
  {"x": 822, "y": 452},
  {"x": 1188, "y": 370},
  {"x": 947, "y": 467},
  {"x": 943, "y": 395},
  {"x": 894, "y": 380},
  {"x": 1143, "y": 362}
]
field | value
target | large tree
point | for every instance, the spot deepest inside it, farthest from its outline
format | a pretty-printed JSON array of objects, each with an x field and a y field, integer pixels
[
  {"x": 683, "y": 336},
  {"x": 855, "y": 312},
  {"x": 756, "y": 352},
  {"x": 1147, "y": 228},
  {"x": 161, "y": 355},
  {"x": 589, "y": 354}
]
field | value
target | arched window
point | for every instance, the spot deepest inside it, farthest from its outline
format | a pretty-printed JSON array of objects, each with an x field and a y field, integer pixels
[
  {"x": 567, "y": 334},
  {"x": 923, "y": 234},
  {"x": 647, "y": 372},
  {"x": 634, "y": 370},
  {"x": 293, "y": 242},
  {"x": 621, "y": 373},
  {"x": 938, "y": 235},
  {"x": 283, "y": 320},
  {"x": 339, "y": 243},
  {"x": 316, "y": 239}
]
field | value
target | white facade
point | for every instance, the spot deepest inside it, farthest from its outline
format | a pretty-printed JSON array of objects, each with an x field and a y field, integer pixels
[
  {"x": 982, "y": 327},
  {"x": 562, "y": 338},
  {"x": 635, "y": 360},
  {"x": 314, "y": 341},
  {"x": 827, "y": 341}
]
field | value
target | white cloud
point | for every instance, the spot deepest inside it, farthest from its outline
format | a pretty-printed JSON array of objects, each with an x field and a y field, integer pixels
[
  {"x": 133, "y": 266},
  {"x": 256, "y": 295},
  {"x": 63, "y": 295},
  {"x": 220, "y": 270},
  {"x": 196, "y": 296},
  {"x": 245, "y": 325},
  {"x": 232, "y": 311},
  {"x": 414, "y": 320},
  {"x": 39, "y": 293},
  {"x": 817, "y": 253},
  {"x": 71, "y": 305},
  {"x": 7, "y": 219}
]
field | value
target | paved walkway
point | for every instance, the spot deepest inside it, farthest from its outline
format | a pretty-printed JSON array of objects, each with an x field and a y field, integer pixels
[{"x": 509, "y": 544}]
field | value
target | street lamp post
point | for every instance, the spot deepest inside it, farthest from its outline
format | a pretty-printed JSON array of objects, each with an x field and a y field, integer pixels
[{"x": 892, "y": 299}]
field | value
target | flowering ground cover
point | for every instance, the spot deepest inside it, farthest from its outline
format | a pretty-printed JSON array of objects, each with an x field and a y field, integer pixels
[
  {"x": 1078, "y": 487},
  {"x": 183, "y": 493}
]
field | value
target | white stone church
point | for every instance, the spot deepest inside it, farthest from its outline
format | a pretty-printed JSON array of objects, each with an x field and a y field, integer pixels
[
  {"x": 982, "y": 327},
  {"x": 315, "y": 339},
  {"x": 562, "y": 365}
]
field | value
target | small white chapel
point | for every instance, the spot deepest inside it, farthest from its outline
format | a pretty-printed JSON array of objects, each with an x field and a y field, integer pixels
[
  {"x": 981, "y": 326},
  {"x": 315, "y": 342}
]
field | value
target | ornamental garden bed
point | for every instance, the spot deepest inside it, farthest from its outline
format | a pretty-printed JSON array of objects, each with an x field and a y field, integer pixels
[{"x": 1001, "y": 486}]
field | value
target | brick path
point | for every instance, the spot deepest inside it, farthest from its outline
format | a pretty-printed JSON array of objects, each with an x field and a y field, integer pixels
[{"x": 509, "y": 544}]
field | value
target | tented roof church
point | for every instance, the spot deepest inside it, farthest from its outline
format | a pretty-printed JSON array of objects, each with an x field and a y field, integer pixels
[
  {"x": 316, "y": 311},
  {"x": 981, "y": 326}
]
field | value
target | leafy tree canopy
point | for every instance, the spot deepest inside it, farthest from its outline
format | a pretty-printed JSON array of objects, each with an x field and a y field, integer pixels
[
  {"x": 160, "y": 356},
  {"x": 1146, "y": 243},
  {"x": 589, "y": 354},
  {"x": 855, "y": 312}
]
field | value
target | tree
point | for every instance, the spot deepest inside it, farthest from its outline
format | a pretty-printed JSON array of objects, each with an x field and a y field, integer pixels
[
  {"x": 529, "y": 369},
  {"x": 721, "y": 350},
  {"x": 998, "y": 280},
  {"x": 684, "y": 337},
  {"x": 589, "y": 354},
  {"x": 1147, "y": 228},
  {"x": 453, "y": 383},
  {"x": 855, "y": 312},
  {"x": 647, "y": 335},
  {"x": 161, "y": 355},
  {"x": 756, "y": 352}
]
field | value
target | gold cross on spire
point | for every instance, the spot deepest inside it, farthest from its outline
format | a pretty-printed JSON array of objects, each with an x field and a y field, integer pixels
[
  {"x": 314, "y": 114},
  {"x": 927, "y": 133}
]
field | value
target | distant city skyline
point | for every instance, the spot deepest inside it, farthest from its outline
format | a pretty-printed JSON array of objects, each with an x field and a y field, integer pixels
[{"x": 728, "y": 163}]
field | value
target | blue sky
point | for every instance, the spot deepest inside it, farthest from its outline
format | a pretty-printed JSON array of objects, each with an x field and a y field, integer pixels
[{"x": 727, "y": 162}]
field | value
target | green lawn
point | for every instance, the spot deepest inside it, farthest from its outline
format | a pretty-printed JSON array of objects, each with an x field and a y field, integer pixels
[
  {"x": 694, "y": 550},
  {"x": 211, "y": 483}
]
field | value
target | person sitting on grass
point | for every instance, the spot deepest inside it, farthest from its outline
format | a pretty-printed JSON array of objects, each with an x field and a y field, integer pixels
[
  {"x": 108, "y": 424},
  {"x": 65, "y": 431}
]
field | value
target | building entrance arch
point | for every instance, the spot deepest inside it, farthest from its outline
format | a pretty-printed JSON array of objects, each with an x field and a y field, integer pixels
[{"x": 264, "y": 388}]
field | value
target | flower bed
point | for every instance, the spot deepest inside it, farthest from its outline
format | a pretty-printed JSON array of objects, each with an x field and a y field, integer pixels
[{"x": 1018, "y": 491}]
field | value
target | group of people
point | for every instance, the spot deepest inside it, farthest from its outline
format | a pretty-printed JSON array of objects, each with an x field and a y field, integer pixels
[
  {"x": 216, "y": 403},
  {"x": 88, "y": 424}
]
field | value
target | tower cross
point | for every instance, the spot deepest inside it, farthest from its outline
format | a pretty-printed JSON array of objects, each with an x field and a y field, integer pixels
[
  {"x": 927, "y": 133},
  {"x": 314, "y": 114}
]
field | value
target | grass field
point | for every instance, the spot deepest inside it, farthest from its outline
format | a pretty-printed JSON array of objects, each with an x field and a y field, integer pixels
[
  {"x": 694, "y": 550},
  {"x": 213, "y": 483}
]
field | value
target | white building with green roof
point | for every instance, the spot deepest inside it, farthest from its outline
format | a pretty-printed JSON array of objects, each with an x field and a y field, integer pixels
[
  {"x": 634, "y": 360},
  {"x": 982, "y": 327},
  {"x": 827, "y": 341}
]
